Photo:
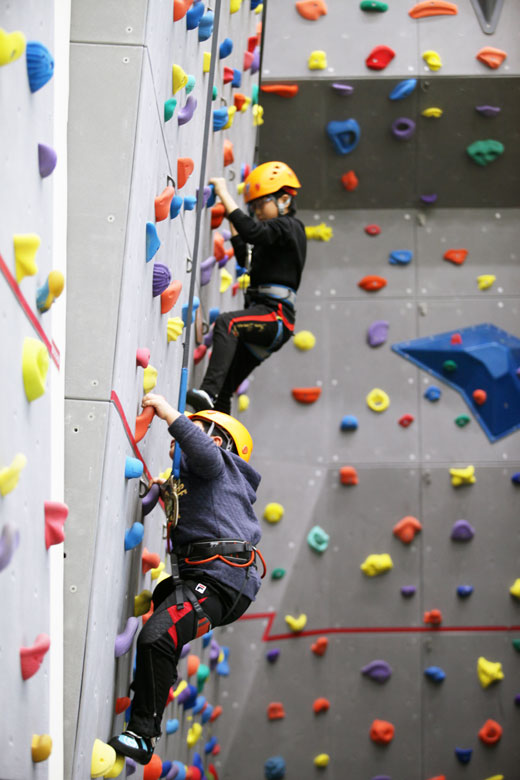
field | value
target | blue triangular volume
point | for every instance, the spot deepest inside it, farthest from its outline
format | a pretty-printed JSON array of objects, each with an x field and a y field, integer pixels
[
  {"x": 488, "y": 359},
  {"x": 488, "y": 14}
]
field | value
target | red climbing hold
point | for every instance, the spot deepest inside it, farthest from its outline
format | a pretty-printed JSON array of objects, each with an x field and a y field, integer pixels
[
  {"x": 306, "y": 395},
  {"x": 169, "y": 297},
  {"x": 321, "y": 705},
  {"x": 456, "y": 338},
  {"x": 319, "y": 647},
  {"x": 192, "y": 773},
  {"x": 456, "y": 256},
  {"x": 433, "y": 617},
  {"x": 406, "y": 420},
  {"x": 198, "y": 353},
  {"x": 239, "y": 100},
  {"x": 153, "y": 769},
  {"x": 171, "y": 696},
  {"x": 143, "y": 422},
  {"x": 149, "y": 560},
  {"x": 219, "y": 252},
  {"x": 372, "y": 283},
  {"x": 248, "y": 60},
  {"x": 252, "y": 42},
  {"x": 433, "y": 8},
  {"x": 227, "y": 149},
  {"x": 185, "y": 166},
  {"x": 55, "y": 516},
  {"x": 491, "y": 732},
  {"x": 275, "y": 710},
  {"x": 438, "y": 777},
  {"x": 382, "y": 732},
  {"x": 212, "y": 772},
  {"x": 282, "y": 90},
  {"x": 406, "y": 529},
  {"x": 217, "y": 712},
  {"x": 162, "y": 203},
  {"x": 228, "y": 75},
  {"x": 380, "y": 57},
  {"x": 181, "y": 8},
  {"x": 491, "y": 57},
  {"x": 122, "y": 704},
  {"x": 350, "y": 181},
  {"x": 479, "y": 396},
  {"x": 373, "y": 230},
  {"x": 348, "y": 475},
  {"x": 311, "y": 9},
  {"x": 218, "y": 212},
  {"x": 31, "y": 657}
]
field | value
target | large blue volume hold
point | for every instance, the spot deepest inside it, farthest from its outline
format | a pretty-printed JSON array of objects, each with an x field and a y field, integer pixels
[{"x": 344, "y": 135}]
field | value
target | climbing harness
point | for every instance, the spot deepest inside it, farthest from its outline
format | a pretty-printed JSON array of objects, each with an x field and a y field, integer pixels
[{"x": 278, "y": 291}]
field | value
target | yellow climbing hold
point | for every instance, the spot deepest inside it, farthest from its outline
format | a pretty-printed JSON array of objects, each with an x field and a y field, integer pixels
[
  {"x": 149, "y": 378},
  {"x": 258, "y": 115},
  {"x": 55, "y": 284},
  {"x": 304, "y": 340},
  {"x": 41, "y": 747},
  {"x": 103, "y": 758},
  {"x": 157, "y": 571},
  {"x": 376, "y": 564},
  {"x": 244, "y": 281},
  {"x": 296, "y": 624},
  {"x": 321, "y": 232},
  {"x": 273, "y": 512},
  {"x": 514, "y": 590},
  {"x": 118, "y": 766},
  {"x": 142, "y": 603},
  {"x": 194, "y": 734},
  {"x": 259, "y": 8},
  {"x": 241, "y": 187},
  {"x": 35, "y": 364},
  {"x": 234, "y": 6},
  {"x": 10, "y": 475},
  {"x": 166, "y": 474},
  {"x": 432, "y": 59},
  {"x": 378, "y": 400},
  {"x": 464, "y": 476},
  {"x": 179, "y": 78},
  {"x": 25, "y": 247},
  {"x": 432, "y": 113},
  {"x": 163, "y": 576},
  {"x": 179, "y": 689},
  {"x": 496, "y": 777},
  {"x": 243, "y": 402},
  {"x": 322, "y": 760},
  {"x": 231, "y": 115},
  {"x": 206, "y": 61},
  {"x": 174, "y": 328},
  {"x": 245, "y": 105},
  {"x": 485, "y": 281},
  {"x": 225, "y": 280},
  {"x": 12, "y": 46},
  {"x": 317, "y": 60},
  {"x": 489, "y": 671}
]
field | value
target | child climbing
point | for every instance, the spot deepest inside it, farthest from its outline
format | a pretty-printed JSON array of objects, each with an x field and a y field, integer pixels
[
  {"x": 213, "y": 538},
  {"x": 243, "y": 339}
]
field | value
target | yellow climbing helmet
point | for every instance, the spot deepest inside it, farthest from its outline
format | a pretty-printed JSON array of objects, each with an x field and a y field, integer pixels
[
  {"x": 239, "y": 434},
  {"x": 268, "y": 178}
]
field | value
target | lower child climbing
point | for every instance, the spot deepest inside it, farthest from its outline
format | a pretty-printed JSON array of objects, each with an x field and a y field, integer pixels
[
  {"x": 214, "y": 578},
  {"x": 244, "y": 339}
]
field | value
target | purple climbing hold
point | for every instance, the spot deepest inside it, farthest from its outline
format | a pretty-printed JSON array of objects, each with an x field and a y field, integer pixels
[
  {"x": 272, "y": 655},
  {"x": 408, "y": 590},
  {"x": 184, "y": 695},
  {"x": 429, "y": 200},
  {"x": 462, "y": 531},
  {"x": 161, "y": 279},
  {"x": 47, "y": 159},
  {"x": 187, "y": 111},
  {"x": 463, "y": 591},
  {"x": 206, "y": 269},
  {"x": 185, "y": 650},
  {"x": 255, "y": 64},
  {"x": 226, "y": 234},
  {"x": 208, "y": 338},
  {"x": 150, "y": 499},
  {"x": 124, "y": 640},
  {"x": 342, "y": 89},
  {"x": 243, "y": 387},
  {"x": 214, "y": 652},
  {"x": 9, "y": 541},
  {"x": 189, "y": 701},
  {"x": 517, "y": 699},
  {"x": 379, "y": 671},
  {"x": 488, "y": 110},
  {"x": 403, "y": 128},
  {"x": 206, "y": 194},
  {"x": 131, "y": 766},
  {"x": 377, "y": 333}
]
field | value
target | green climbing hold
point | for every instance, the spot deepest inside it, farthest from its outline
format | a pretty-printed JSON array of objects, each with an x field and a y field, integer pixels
[
  {"x": 373, "y": 5},
  {"x": 254, "y": 94},
  {"x": 190, "y": 84},
  {"x": 214, "y": 94},
  {"x": 169, "y": 108},
  {"x": 277, "y": 574},
  {"x": 462, "y": 420},
  {"x": 449, "y": 366},
  {"x": 485, "y": 152},
  {"x": 516, "y": 644}
]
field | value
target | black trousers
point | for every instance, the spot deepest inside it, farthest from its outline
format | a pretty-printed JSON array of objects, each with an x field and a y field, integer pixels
[
  {"x": 231, "y": 361},
  {"x": 160, "y": 643}
]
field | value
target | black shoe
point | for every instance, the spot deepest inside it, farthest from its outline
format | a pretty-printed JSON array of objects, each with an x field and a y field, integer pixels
[
  {"x": 199, "y": 400},
  {"x": 132, "y": 745}
]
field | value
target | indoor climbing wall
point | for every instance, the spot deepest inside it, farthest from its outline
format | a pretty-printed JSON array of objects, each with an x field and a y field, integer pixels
[
  {"x": 384, "y": 643},
  {"x": 32, "y": 513},
  {"x": 149, "y": 82}
]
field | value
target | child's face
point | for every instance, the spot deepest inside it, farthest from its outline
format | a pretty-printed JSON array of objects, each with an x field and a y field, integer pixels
[{"x": 264, "y": 208}]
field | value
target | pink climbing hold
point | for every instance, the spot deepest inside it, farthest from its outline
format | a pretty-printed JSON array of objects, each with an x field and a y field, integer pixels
[
  {"x": 149, "y": 560},
  {"x": 55, "y": 516},
  {"x": 31, "y": 657},
  {"x": 199, "y": 352},
  {"x": 142, "y": 357},
  {"x": 380, "y": 57}
]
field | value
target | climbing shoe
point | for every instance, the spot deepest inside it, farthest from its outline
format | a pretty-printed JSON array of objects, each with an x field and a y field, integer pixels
[
  {"x": 199, "y": 399},
  {"x": 132, "y": 745}
]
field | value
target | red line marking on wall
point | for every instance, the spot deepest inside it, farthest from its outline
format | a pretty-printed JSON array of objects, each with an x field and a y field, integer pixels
[
  {"x": 270, "y": 617},
  {"x": 31, "y": 316},
  {"x": 117, "y": 403}
]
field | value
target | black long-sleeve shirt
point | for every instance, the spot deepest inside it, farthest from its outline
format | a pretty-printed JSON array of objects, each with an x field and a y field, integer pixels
[{"x": 279, "y": 248}]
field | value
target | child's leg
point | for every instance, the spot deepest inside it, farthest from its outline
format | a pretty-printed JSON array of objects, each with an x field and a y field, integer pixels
[{"x": 243, "y": 364}]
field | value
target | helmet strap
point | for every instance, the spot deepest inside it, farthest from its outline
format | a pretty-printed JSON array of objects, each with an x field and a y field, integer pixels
[{"x": 284, "y": 207}]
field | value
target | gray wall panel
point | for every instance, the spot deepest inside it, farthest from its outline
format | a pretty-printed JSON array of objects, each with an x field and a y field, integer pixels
[{"x": 99, "y": 22}]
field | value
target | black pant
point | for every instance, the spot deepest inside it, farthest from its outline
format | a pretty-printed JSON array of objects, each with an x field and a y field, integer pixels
[
  {"x": 231, "y": 361},
  {"x": 160, "y": 643}
]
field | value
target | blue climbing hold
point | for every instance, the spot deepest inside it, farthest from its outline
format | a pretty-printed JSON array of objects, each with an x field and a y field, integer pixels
[
  {"x": 400, "y": 257},
  {"x": 206, "y": 26},
  {"x": 206, "y": 714},
  {"x": 152, "y": 241},
  {"x": 194, "y": 15},
  {"x": 133, "y": 468},
  {"x": 213, "y": 314},
  {"x": 349, "y": 423},
  {"x": 212, "y": 197},
  {"x": 172, "y": 726},
  {"x": 134, "y": 536},
  {"x": 220, "y": 118},
  {"x": 195, "y": 306},
  {"x": 223, "y": 666},
  {"x": 40, "y": 65},
  {"x": 200, "y": 701},
  {"x": 237, "y": 78},
  {"x": 255, "y": 4},
  {"x": 206, "y": 639},
  {"x": 463, "y": 591},
  {"x": 179, "y": 766},
  {"x": 433, "y": 393},
  {"x": 344, "y": 135},
  {"x": 274, "y": 768},
  {"x": 515, "y": 479},
  {"x": 435, "y": 674},
  {"x": 191, "y": 697},
  {"x": 190, "y": 85},
  {"x": 176, "y": 206},
  {"x": 210, "y": 745},
  {"x": 464, "y": 754},
  {"x": 190, "y": 201},
  {"x": 225, "y": 48},
  {"x": 403, "y": 89}
]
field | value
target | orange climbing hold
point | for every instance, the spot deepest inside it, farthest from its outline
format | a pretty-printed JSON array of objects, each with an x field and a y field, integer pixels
[
  {"x": 491, "y": 57},
  {"x": 122, "y": 704},
  {"x": 149, "y": 560},
  {"x": 319, "y": 647},
  {"x": 406, "y": 529},
  {"x": 283, "y": 90},
  {"x": 455, "y": 338},
  {"x": 181, "y": 8},
  {"x": 239, "y": 100},
  {"x": 275, "y": 710},
  {"x": 321, "y": 705},
  {"x": 382, "y": 732},
  {"x": 193, "y": 663},
  {"x": 185, "y": 166},
  {"x": 433, "y": 8},
  {"x": 433, "y": 617},
  {"x": 219, "y": 252},
  {"x": 217, "y": 712},
  {"x": 170, "y": 296},
  {"x": 306, "y": 395},
  {"x": 479, "y": 396},
  {"x": 456, "y": 256},
  {"x": 372, "y": 283},
  {"x": 153, "y": 769},
  {"x": 227, "y": 148},
  {"x": 218, "y": 212},
  {"x": 162, "y": 203},
  {"x": 311, "y": 9},
  {"x": 350, "y": 181},
  {"x": 348, "y": 475},
  {"x": 143, "y": 422},
  {"x": 491, "y": 732}
]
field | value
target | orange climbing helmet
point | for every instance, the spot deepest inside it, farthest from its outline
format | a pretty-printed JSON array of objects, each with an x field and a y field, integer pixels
[
  {"x": 237, "y": 433},
  {"x": 268, "y": 178}
]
